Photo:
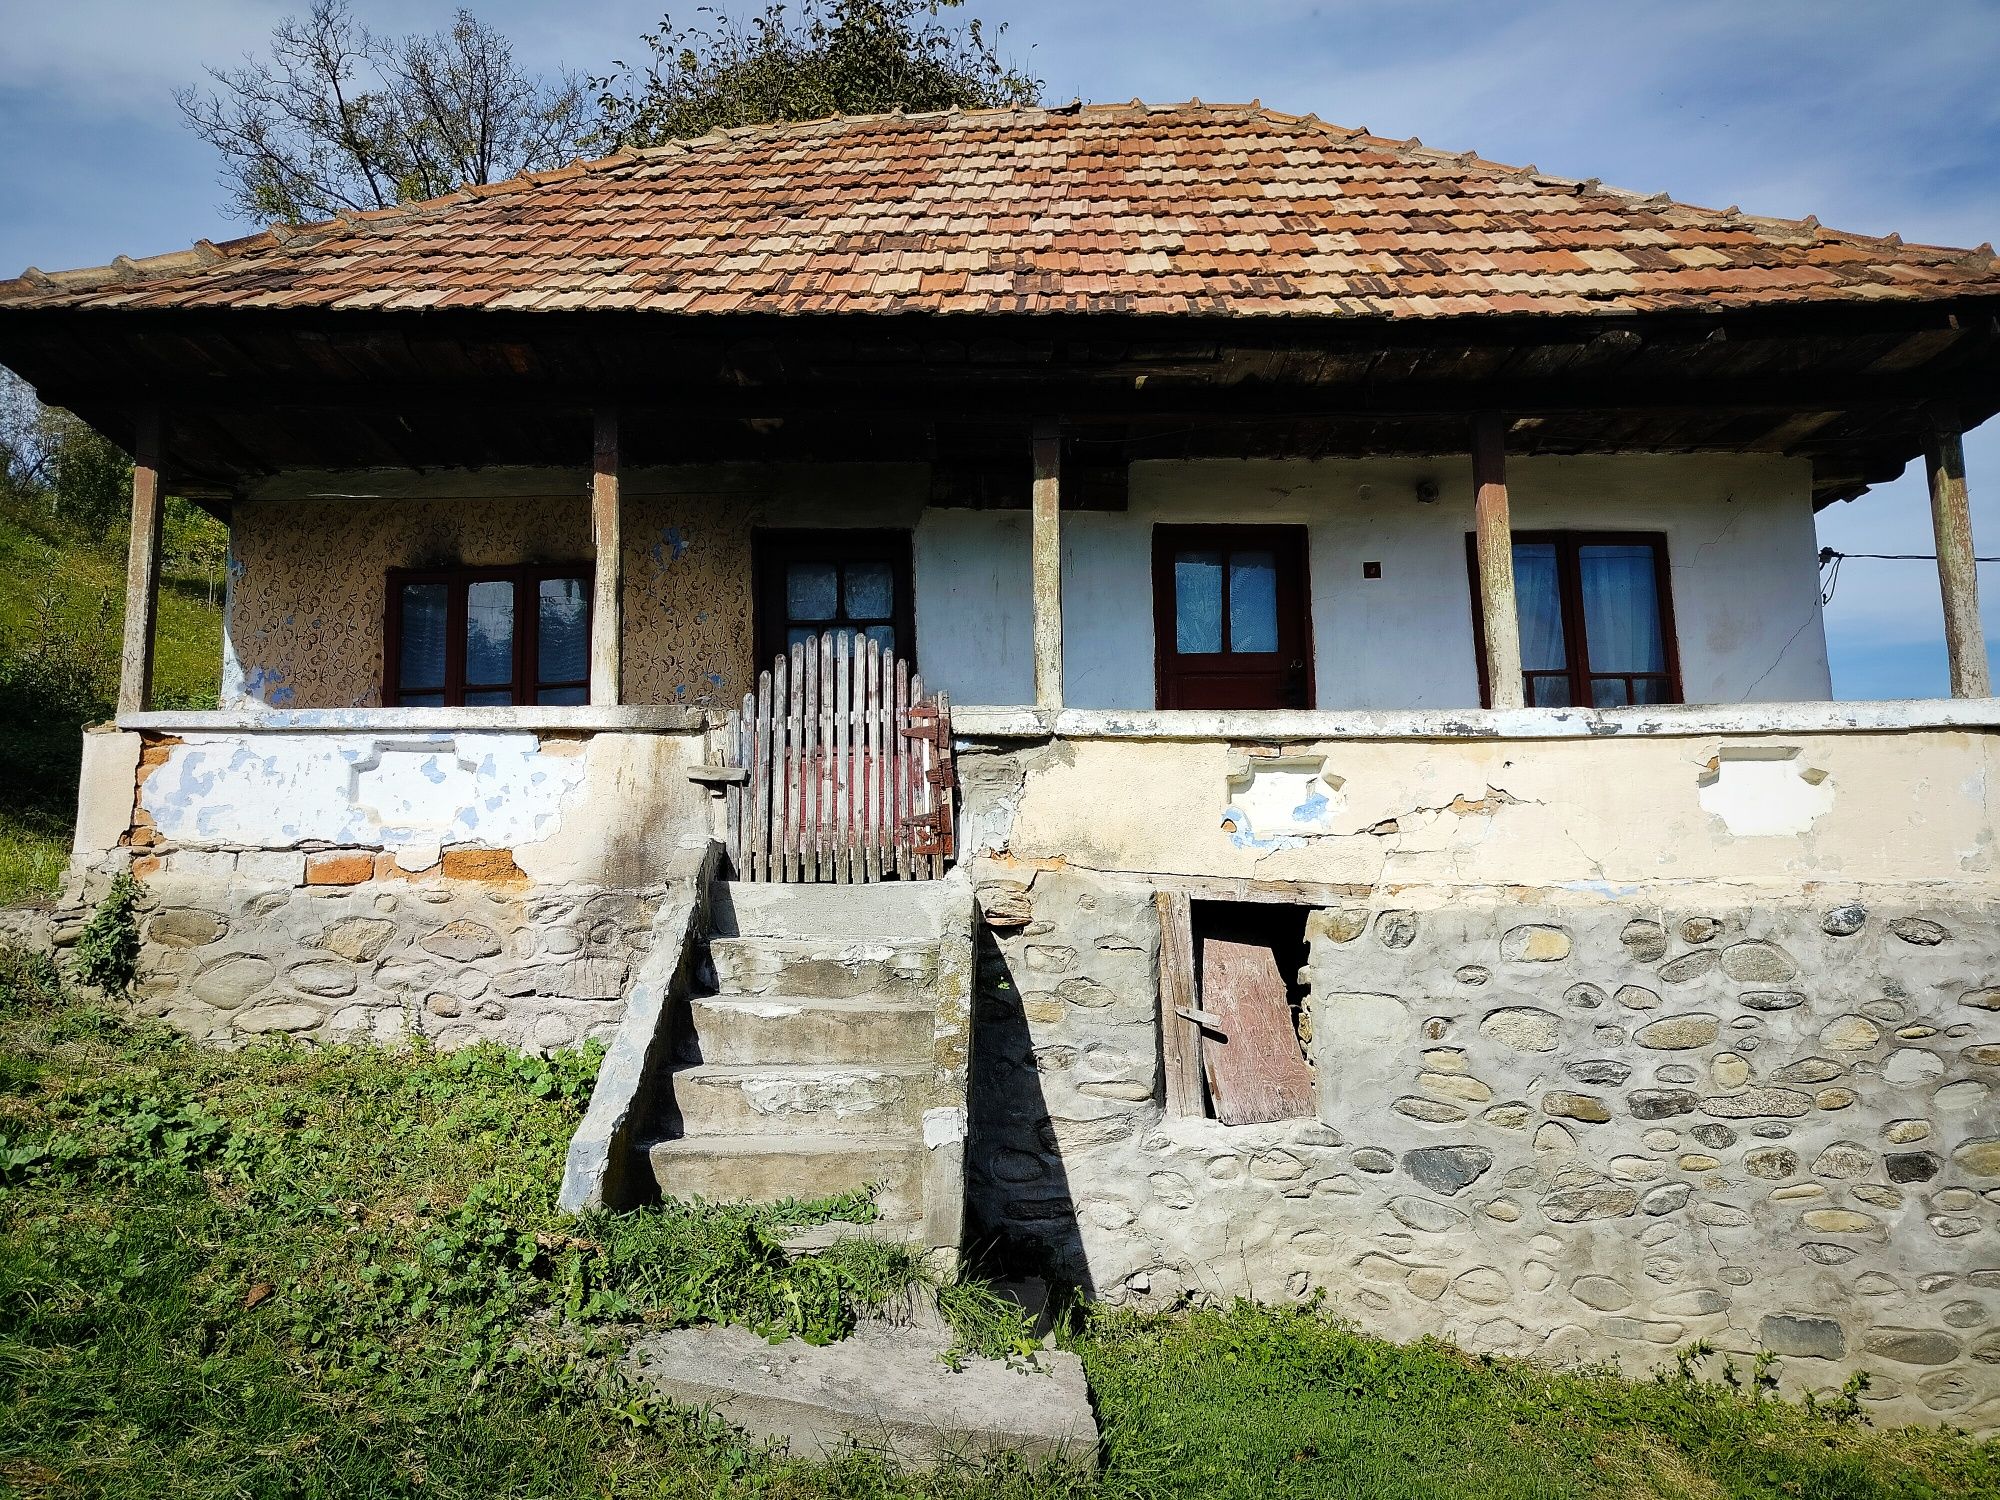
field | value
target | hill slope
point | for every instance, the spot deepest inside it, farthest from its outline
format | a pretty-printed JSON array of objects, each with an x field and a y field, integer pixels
[{"x": 61, "y": 613}]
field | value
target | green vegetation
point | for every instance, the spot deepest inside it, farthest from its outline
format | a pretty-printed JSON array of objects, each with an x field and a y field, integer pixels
[
  {"x": 62, "y": 595},
  {"x": 342, "y": 1272}
]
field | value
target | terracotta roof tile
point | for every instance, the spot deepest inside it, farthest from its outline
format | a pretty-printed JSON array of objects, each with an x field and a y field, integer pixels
[{"x": 1186, "y": 208}]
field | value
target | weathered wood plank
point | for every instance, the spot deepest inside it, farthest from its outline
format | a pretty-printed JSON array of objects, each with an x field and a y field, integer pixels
[
  {"x": 871, "y": 779},
  {"x": 607, "y": 538},
  {"x": 142, "y": 571},
  {"x": 1958, "y": 575},
  {"x": 1180, "y": 1039},
  {"x": 1494, "y": 544},
  {"x": 1046, "y": 553},
  {"x": 1255, "y": 1069},
  {"x": 823, "y": 780},
  {"x": 760, "y": 783},
  {"x": 899, "y": 778},
  {"x": 843, "y": 759}
]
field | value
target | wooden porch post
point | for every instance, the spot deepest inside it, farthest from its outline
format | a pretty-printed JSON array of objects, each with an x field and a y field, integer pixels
[
  {"x": 1958, "y": 575},
  {"x": 142, "y": 571},
  {"x": 1048, "y": 565},
  {"x": 1494, "y": 542},
  {"x": 607, "y": 537}
]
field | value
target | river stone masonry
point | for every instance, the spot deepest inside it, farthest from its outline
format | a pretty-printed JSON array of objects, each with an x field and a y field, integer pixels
[
  {"x": 234, "y": 947},
  {"x": 1577, "y": 1131}
]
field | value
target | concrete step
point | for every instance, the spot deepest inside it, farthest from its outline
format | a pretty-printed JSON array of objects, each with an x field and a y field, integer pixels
[
  {"x": 806, "y": 1098},
  {"x": 772, "y": 1168},
  {"x": 885, "y": 971},
  {"x": 884, "y": 1388},
  {"x": 895, "y": 911},
  {"x": 801, "y": 1240},
  {"x": 731, "y": 1029}
]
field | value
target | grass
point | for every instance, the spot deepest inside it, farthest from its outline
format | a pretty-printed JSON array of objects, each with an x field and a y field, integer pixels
[
  {"x": 341, "y": 1272},
  {"x": 62, "y": 598}
]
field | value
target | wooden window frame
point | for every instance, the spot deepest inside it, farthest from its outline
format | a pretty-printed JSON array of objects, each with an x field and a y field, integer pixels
[
  {"x": 1569, "y": 588},
  {"x": 527, "y": 579},
  {"x": 773, "y": 549},
  {"x": 1289, "y": 545}
]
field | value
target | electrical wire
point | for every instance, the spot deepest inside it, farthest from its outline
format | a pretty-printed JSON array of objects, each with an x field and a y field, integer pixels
[{"x": 1830, "y": 559}]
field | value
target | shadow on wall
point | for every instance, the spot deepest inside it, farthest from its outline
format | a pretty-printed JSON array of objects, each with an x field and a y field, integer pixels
[{"x": 1023, "y": 1217}]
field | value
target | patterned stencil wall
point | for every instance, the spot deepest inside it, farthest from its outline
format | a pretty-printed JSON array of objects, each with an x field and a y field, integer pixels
[{"x": 308, "y": 582}]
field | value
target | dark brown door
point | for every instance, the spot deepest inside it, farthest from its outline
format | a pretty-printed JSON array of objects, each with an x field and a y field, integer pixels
[
  {"x": 834, "y": 582},
  {"x": 1232, "y": 617}
]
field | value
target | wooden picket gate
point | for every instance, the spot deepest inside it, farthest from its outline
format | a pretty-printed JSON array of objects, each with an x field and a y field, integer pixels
[{"x": 849, "y": 774}]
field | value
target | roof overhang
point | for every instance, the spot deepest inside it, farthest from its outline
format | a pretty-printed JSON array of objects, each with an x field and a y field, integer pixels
[{"x": 246, "y": 393}]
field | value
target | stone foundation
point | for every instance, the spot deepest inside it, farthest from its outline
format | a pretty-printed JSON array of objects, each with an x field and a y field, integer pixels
[
  {"x": 237, "y": 946},
  {"x": 1574, "y": 1127}
]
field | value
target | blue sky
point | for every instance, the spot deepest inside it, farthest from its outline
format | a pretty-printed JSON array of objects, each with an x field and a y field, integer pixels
[{"x": 1875, "y": 117}]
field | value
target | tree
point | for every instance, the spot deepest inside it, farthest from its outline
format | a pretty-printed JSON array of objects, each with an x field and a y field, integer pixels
[
  {"x": 832, "y": 57},
  {"x": 54, "y": 461},
  {"x": 340, "y": 119}
]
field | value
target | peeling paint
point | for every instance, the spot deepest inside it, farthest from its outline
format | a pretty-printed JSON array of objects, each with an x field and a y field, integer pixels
[{"x": 281, "y": 790}]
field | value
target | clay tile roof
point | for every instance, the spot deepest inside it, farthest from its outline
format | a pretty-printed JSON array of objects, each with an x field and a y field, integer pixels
[{"x": 1190, "y": 208}]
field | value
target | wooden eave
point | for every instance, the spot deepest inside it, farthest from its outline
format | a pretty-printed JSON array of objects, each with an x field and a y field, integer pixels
[{"x": 248, "y": 393}]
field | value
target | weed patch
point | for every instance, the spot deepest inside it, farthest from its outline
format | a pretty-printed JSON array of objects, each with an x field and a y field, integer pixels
[{"x": 341, "y": 1272}]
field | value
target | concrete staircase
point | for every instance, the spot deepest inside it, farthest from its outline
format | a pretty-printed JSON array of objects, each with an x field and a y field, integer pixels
[{"x": 822, "y": 1044}]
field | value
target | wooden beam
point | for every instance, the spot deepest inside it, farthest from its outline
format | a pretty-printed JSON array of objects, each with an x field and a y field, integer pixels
[
  {"x": 142, "y": 570},
  {"x": 1047, "y": 565},
  {"x": 1493, "y": 526},
  {"x": 1180, "y": 1038},
  {"x": 1101, "y": 396},
  {"x": 607, "y": 536},
  {"x": 1958, "y": 575}
]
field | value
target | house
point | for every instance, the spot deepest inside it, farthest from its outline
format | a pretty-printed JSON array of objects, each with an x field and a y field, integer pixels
[{"x": 1237, "y": 702}]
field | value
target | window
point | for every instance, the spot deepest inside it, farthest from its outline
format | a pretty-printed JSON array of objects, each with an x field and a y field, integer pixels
[
  {"x": 816, "y": 582},
  {"x": 1231, "y": 617},
  {"x": 478, "y": 637},
  {"x": 1597, "y": 619}
]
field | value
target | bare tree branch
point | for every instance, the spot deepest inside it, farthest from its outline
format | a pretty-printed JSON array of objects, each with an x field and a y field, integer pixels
[{"x": 340, "y": 119}]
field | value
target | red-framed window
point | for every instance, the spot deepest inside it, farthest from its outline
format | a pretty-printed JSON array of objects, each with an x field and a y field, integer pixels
[
  {"x": 475, "y": 637},
  {"x": 1597, "y": 619}
]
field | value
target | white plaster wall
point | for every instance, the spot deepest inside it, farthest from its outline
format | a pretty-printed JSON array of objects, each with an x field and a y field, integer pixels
[
  {"x": 610, "y": 809},
  {"x": 975, "y": 619},
  {"x": 1739, "y": 535}
]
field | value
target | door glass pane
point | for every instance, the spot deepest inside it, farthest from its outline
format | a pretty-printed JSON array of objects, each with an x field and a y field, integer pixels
[
  {"x": 1540, "y": 603},
  {"x": 1197, "y": 602},
  {"x": 1621, "y": 609},
  {"x": 871, "y": 591},
  {"x": 1548, "y": 692},
  {"x": 1608, "y": 692},
  {"x": 562, "y": 695},
  {"x": 1650, "y": 690},
  {"x": 420, "y": 663},
  {"x": 562, "y": 634},
  {"x": 489, "y": 697},
  {"x": 423, "y": 700},
  {"x": 885, "y": 634},
  {"x": 800, "y": 635},
  {"x": 489, "y": 635},
  {"x": 1253, "y": 602},
  {"x": 812, "y": 591}
]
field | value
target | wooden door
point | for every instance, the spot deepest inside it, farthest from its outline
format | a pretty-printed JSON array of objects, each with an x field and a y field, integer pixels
[
  {"x": 1256, "y": 1071},
  {"x": 1232, "y": 617}
]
